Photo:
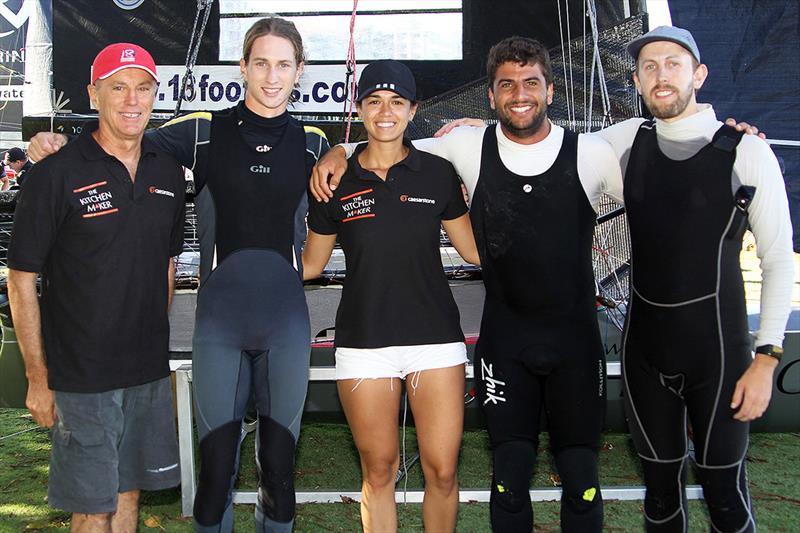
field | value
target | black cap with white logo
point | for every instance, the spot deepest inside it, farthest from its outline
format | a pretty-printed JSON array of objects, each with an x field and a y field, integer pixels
[{"x": 387, "y": 75}]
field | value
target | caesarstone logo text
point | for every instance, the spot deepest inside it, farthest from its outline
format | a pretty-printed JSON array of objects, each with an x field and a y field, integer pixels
[{"x": 412, "y": 199}]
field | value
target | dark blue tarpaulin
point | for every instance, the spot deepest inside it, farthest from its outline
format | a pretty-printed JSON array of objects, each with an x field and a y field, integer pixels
[{"x": 752, "y": 49}]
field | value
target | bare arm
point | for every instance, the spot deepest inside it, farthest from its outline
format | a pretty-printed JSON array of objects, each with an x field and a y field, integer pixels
[
  {"x": 327, "y": 173},
  {"x": 460, "y": 232},
  {"x": 28, "y": 325},
  {"x": 316, "y": 254},
  {"x": 170, "y": 281}
]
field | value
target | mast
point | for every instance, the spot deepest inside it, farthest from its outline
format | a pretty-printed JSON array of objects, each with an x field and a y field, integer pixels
[{"x": 39, "y": 61}]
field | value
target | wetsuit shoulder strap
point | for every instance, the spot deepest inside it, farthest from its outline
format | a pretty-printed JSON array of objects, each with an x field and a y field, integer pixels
[
  {"x": 641, "y": 149},
  {"x": 181, "y": 137},
  {"x": 647, "y": 125},
  {"x": 646, "y": 129},
  {"x": 727, "y": 138},
  {"x": 314, "y": 130},
  {"x": 570, "y": 143},
  {"x": 489, "y": 149},
  {"x": 316, "y": 141}
]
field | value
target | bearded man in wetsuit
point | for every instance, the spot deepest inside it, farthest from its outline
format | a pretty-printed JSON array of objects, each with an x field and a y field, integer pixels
[
  {"x": 251, "y": 165},
  {"x": 692, "y": 187},
  {"x": 534, "y": 190}
]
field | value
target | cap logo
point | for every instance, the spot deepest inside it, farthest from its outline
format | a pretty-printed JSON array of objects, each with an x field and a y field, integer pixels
[
  {"x": 128, "y": 55},
  {"x": 389, "y": 86}
]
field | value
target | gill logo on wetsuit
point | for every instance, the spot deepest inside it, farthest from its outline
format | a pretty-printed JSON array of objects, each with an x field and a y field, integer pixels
[
  {"x": 493, "y": 392},
  {"x": 357, "y": 205},
  {"x": 97, "y": 203},
  {"x": 259, "y": 169}
]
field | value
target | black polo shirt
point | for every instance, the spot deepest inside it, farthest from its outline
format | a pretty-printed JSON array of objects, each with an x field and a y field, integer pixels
[
  {"x": 102, "y": 244},
  {"x": 396, "y": 292}
]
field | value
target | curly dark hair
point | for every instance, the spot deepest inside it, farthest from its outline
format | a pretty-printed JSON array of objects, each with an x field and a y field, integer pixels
[{"x": 520, "y": 50}]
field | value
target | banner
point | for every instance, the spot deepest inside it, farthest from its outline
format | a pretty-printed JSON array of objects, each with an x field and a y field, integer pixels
[
  {"x": 322, "y": 88},
  {"x": 13, "y": 26}
]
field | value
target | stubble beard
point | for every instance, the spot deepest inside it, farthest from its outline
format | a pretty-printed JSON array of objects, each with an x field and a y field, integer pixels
[
  {"x": 670, "y": 110},
  {"x": 526, "y": 130}
]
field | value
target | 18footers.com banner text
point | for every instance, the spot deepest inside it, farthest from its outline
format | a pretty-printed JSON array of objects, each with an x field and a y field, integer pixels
[{"x": 322, "y": 88}]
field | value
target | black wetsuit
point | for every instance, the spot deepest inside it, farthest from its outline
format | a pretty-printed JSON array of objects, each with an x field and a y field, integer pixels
[
  {"x": 686, "y": 338},
  {"x": 252, "y": 334},
  {"x": 539, "y": 342}
]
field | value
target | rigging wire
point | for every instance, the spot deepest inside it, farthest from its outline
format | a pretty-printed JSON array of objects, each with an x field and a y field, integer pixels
[
  {"x": 564, "y": 60},
  {"x": 571, "y": 82},
  {"x": 587, "y": 102},
  {"x": 604, "y": 97},
  {"x": 187, "y": 83},
  {"x": 351, "y": 78}
]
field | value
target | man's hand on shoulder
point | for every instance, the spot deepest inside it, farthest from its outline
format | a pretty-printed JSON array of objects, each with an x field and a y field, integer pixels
[
  {"x": 327, "y": 174},
  {"x": 45, "y": 143},
  {"x": 450, "y": 126},
  {"x": 745, "y": 127}
]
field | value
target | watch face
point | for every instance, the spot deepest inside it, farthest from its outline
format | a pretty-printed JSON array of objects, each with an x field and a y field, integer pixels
[{"x": 771, "y": 350}]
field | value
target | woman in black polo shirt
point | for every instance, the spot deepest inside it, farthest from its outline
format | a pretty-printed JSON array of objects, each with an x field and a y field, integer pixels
[{"x": 397, "y": 316}]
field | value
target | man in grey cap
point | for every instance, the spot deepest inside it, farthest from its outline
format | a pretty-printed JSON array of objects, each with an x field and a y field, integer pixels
[{"x": 691, "y": 187}]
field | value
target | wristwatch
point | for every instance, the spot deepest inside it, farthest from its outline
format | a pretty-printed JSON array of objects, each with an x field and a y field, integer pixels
[{"x": 770, "y": 350}]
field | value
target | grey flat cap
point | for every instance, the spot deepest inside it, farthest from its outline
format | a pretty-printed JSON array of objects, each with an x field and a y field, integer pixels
[{"x": 665, "y": 33}]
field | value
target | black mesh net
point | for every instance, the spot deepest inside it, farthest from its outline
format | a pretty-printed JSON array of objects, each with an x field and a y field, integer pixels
[
  {"x": 573, "y": 87},
  {"x": 578, "y": 104}
]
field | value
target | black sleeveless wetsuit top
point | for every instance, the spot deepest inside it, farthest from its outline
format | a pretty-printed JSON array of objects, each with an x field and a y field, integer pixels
[
  {"x": 243, "y": 214},
  {"x": 534, "y": 234}
]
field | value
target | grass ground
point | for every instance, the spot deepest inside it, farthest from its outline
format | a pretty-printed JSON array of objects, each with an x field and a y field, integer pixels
[{"x": 327, "y": 460}]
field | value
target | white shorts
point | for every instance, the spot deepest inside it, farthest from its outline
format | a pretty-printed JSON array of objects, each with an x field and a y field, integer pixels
[{"x": 397, "y": 361}]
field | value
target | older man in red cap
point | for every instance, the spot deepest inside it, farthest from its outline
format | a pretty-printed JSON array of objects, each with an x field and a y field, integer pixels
[{"x": 101, "y": 221}]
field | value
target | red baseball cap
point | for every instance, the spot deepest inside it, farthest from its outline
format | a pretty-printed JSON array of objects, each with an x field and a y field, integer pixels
[{"x": 118, "y": 56}]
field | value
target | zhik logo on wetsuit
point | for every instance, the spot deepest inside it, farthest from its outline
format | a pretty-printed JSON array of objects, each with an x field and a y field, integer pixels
[
  {"x": 600, "y": 378},
  {"x": 357, "y": 205},
  {"x": 493, "y": 392},
  {"x": 95, "y": 202},
  {"x": 407, "y": 198},
  {"x": 153, "y": 190}
]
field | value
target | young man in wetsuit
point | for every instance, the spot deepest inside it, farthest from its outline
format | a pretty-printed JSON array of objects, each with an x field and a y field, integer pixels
[
  {"x": 251, "y": 165},
  {"x": 692, "y": 187},
  {"x": 101, "y": 221},
  {"x": 534, "y": 189}
]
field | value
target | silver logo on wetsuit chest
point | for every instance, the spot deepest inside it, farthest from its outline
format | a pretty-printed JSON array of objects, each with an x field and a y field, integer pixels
[
  {"x": 493, "y": 392},
  {"x": 263, "y": 148},
  {"x": 527, "y": 187},
  {"x": 259, "y": 169}
]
